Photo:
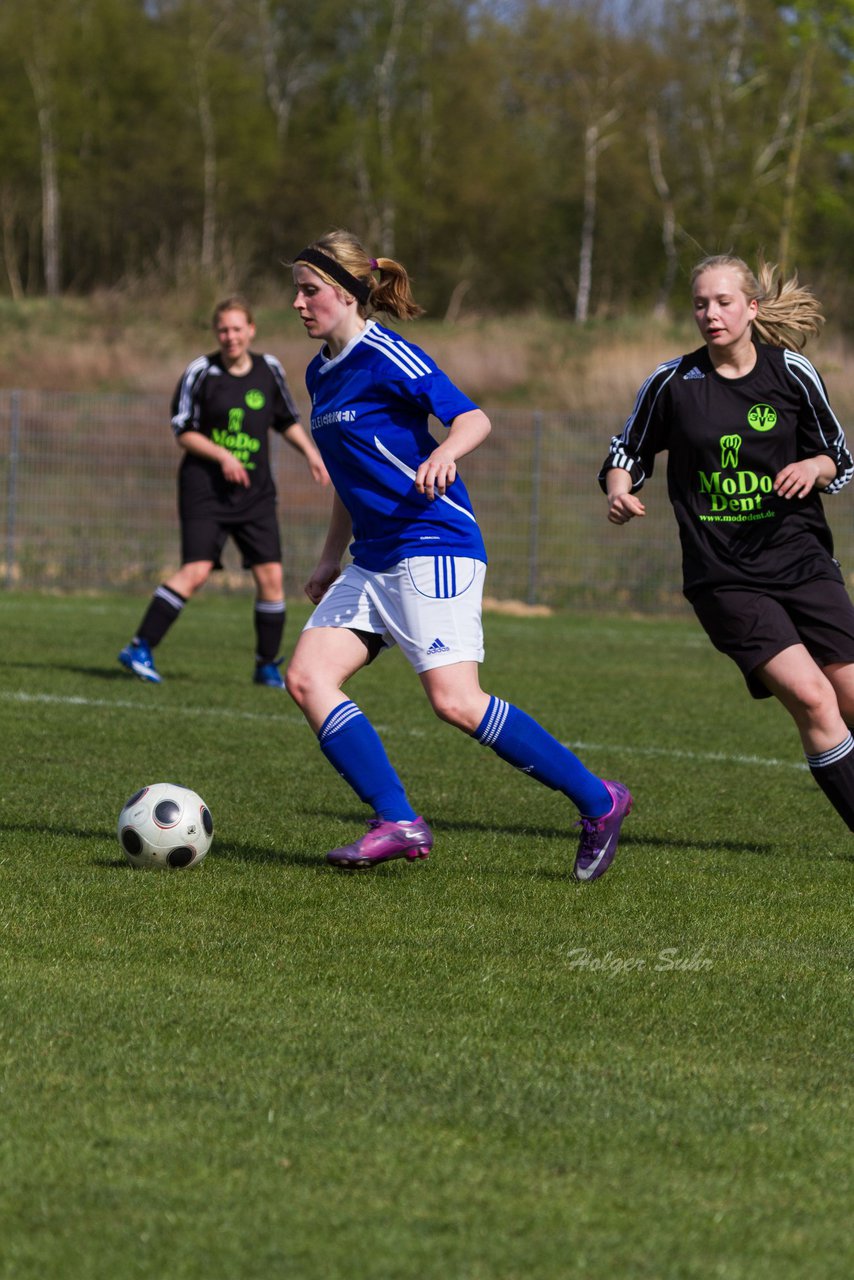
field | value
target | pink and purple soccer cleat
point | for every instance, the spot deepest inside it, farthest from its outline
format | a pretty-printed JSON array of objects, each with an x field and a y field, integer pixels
[
  {"x": 383, "y": 841},
  {"x": 599, "y": 836}
]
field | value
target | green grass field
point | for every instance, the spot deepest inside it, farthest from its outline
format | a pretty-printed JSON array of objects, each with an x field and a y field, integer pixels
[{"x": 465, "y": 1069}]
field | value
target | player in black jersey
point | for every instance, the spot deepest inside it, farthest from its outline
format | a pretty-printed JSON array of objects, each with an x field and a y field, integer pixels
[
  {"x": 222, "y": 412},
  {"x": 752, "y": 443}
]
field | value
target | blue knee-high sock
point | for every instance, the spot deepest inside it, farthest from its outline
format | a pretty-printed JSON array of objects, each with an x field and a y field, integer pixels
[
  {"x": 352, "y": 745},
  {"x": 519, "y": 740}
]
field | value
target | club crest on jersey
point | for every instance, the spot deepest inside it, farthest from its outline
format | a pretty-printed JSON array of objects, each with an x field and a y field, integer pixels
[{"x": 762, "y": 417}]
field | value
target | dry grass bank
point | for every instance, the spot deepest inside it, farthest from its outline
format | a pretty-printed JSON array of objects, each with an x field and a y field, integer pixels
[{"x": 112, "y": 342}]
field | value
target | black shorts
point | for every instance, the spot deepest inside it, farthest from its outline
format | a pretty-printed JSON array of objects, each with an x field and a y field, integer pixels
[
  {"x": 752, "y": 626},
  {"x": 258, "y": 540}
]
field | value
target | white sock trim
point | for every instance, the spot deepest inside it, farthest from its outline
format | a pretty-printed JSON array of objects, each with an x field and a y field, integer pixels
[{"x": 825, "y": 758}]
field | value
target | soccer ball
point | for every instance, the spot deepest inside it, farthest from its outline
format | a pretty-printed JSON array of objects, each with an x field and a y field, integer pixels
[{"x": 165, "y": 825}]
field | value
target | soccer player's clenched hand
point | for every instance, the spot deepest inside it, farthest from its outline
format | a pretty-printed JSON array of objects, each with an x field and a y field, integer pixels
[
  {"x": 234, "y": 471},
  {"x": 623, "y": 507},
  {"x": 321, "y": 579},
  {"x": 435, "y": 474}
]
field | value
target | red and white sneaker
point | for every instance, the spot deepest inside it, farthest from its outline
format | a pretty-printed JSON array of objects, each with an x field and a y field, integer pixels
[{"x": 383, "y": 841}]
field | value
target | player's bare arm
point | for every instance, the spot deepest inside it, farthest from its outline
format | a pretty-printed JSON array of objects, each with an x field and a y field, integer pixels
[
  {"x": 198, "y": 444},
  {"x": 623, "y": 506},
  {"x": 299, "y": 439},
  {"x": 329, "y": 564},
  {"x": 465, "y": 434}
]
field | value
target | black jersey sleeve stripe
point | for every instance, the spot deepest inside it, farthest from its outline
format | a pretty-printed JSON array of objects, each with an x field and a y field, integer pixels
[
  {"x": 185, "y": 403},
  {"x": 626, "y": 448},
  {"x": 645, "y": 403},
  {"x": 278, "y": 373},
  {"x": 824, "y": 420},
  {"x": 617, "y": 457}
]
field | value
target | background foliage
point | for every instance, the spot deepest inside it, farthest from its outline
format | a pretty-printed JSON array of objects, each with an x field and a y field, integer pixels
[{"x": 576, "y": 156}]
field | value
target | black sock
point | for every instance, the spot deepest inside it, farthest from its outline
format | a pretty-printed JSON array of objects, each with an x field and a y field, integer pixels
[
  {"x": 834, "y": 772},
  {"x": 269, "y": 628},
  {"x": 165, "y": 607}
]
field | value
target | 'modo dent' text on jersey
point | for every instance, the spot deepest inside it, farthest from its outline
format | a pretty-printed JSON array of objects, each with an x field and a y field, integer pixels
[
  {"x": 237, "y": 412},
  {"x": 727, "y": 438},
  {"x": 369, "y": 419}
]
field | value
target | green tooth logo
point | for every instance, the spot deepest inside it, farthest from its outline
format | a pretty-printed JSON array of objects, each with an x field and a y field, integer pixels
[
  {"x": 762, "y": 417},
  {"x": 730, "y": 446}
]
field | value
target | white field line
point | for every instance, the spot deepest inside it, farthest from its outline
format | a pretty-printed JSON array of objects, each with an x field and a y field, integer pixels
[
  {"x": 49, "y": 699},
  {"x": 227, "y": 713}
]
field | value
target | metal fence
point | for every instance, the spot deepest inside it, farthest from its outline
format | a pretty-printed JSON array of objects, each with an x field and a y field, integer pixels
[{"x": 88, "y": 494}]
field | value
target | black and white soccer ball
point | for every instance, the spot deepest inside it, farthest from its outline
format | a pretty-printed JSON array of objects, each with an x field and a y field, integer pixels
[{"x": 165, "y": 825}]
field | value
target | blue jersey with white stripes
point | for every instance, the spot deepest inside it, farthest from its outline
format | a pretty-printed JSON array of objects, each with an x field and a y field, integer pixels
[
  {"x": 369, "y": 419},
  {"x": 727, "y": 438}
]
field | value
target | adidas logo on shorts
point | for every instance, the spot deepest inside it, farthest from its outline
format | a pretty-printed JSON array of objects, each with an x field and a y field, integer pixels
[{"x": 438, "y": 647}]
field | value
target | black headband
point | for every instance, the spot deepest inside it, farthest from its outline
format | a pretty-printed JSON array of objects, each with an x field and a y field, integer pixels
[{"x": 360, "y": 289}]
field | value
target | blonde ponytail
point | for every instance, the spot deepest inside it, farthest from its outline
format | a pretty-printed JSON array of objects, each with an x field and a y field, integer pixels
[
  {"x": 789, "y": 314},
  {"x": 393, "y": 291},
  {"x": 341, "y": 260}
]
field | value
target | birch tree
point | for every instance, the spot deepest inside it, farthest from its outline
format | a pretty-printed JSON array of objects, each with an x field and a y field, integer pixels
[
  {"x": 668, "y": 211},
  {"x": 207, "y": 26},
  {"x": 291, "y": 58}
]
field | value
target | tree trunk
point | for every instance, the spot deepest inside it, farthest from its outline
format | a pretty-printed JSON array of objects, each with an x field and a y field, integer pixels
[
  {"x": 51, "y": 246},
  {"x": 209, "y": 165},
  {"x": 10, "y": 249},
  {"x": 282, "y": 84},
  {"x": 668, "y": 213},
  {"x": 384, "y": 73},
  {"x": 790, "y": 181},
  {"x": 595, "y": 143},
  {"x": 588, "y": 224}
]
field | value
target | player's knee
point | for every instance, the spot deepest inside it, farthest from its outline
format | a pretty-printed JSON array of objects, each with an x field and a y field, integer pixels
[
  {"x": 297, "y": 682},
  {"x": 460, "y": 712},
  {"x": 816, "y": 699},
  {"x": 190, "y": 580}
]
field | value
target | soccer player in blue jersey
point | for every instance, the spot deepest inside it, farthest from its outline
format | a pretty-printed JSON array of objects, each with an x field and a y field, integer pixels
[
  {"x": 752, "y": 443},
  {"x": 418, "y": 560},
  {"x": 223, "y": 409}
]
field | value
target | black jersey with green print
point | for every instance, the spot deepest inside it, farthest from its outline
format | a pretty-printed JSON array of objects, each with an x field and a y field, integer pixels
[
  {"x": 727, "y": 438},
  {"x": 237, "y": 412}
]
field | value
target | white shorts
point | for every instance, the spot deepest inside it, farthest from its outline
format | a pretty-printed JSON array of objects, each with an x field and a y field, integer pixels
[{"x": 428, "y": 605}]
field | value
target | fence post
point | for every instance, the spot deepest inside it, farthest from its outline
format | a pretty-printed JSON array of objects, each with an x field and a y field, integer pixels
[
  {"x": 12, "y": 485},
  {"x": 534, "y": 519}
]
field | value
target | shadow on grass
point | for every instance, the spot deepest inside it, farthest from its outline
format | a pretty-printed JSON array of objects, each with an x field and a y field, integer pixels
[
  {"x": 569, "y": 835},
  {"x": 237, "y": 851},
  {"x": 108, "y": 673},
  {"x": 229, "y": 849},
  {"x": 569, "y": 832}
]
